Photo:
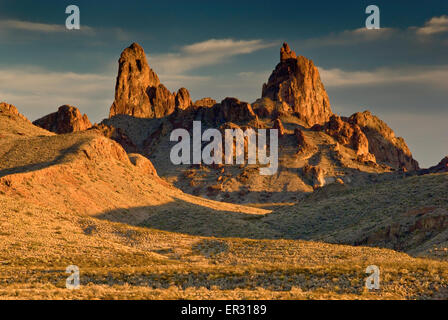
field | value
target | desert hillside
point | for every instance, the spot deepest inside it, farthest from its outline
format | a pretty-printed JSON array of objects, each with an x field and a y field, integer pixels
[
  {"x": 78, "y": 198},
  {"x": 316, "y": 146}
]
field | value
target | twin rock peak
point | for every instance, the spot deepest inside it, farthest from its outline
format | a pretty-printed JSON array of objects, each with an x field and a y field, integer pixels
[
  {"x": 295, "y": 82},
  {"x": 293, "y": 89}
]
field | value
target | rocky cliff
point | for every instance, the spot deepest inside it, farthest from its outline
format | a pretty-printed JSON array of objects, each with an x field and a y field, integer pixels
[
  {"x": 138, "y": 91},
  {"x": 383, "y": 143},
  {"x": 316, "y": 147},
  {"x": 296, "y": 81}
]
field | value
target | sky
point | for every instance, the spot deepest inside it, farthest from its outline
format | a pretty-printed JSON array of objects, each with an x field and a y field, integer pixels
[{"x": 229, "y": 48}]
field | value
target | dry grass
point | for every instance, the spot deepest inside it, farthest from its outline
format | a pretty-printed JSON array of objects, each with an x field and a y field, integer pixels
[{"x": 120, "y": 261}]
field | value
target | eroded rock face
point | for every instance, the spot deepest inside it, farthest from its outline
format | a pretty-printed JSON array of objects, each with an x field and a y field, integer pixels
[
  {"x": 383, "y": 143},
  {"x": 162, "y": 101},
  {"x": 233, "y": 110},
  {"x": 138, "y": 91},
  {"x": 410, "y": 230},
  {"x": 286, "y": 53},
  {"x": 266, "y": 108},
  {"x": 134, "y": 78},
  {"x": 302, "y": 142},
  {"x": 67, "y": 119},
  {"x": 229, "y": 110},
  {"x": 350, "y": 135},
  {"x": 296, "y": 81},
  {"x": 279, "y": 126},
  {"x": 183, "y": 99},
  {"x": 9, "y": 109},
  {"x": 205, "y": 103}
]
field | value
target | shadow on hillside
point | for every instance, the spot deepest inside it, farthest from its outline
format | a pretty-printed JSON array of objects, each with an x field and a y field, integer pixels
[
  {"x": 62, "y": 154},
  {"x": 193, "y": 219}
]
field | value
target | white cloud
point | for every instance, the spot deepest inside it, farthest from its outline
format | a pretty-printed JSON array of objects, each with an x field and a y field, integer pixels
[
  {"x": 204, "y": 53},
  {"x": 257, "y": 78},
  {"x": 173, "y": 69},
  {"x": 225, "y": 46},
  {"x": 350, "y": 37},
  {"x": 174, "y": 82},
  {"x": 434, "y": 26},
  {"x": 19, "y": 25},
  {"x": 434, "y": 75},
  {"x": 37, "y": 92}
]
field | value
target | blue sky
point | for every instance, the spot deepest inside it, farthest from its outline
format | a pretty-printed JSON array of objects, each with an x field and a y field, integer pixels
[{"x": 220, "y": 49}]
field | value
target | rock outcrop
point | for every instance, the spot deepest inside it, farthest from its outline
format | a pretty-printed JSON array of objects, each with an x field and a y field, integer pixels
[
  {"x": 9, "y": 109},
  {"x": 162, "y": 102},
  {"x": 303, "y": 145},
  {"x": 279, "y": 126},
  {"x": 183, "y": 99},
  {"x": 205, "y": 103},
  {"x": 134, "y": 78},
  {"x": 296, "y": 81},
  {"x": 229, "y": 110},
  {"x": 315, "y": 176},
  {"x": 233, "y": 110},
  {"x": 350, "y": 135},
  {"x": 383, "y": 143},
  {"x": 138, "y": 91},
  {"x": 441, "y": 167},
  {"x": 67, "y": 119},
  {"x": 286, "y": 53},
  {"x": 266, "y": 108}
]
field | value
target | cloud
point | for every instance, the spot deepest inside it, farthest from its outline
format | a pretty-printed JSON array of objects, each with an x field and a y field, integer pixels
[
  {"x": 436, "y": 76},
  {"x": 351, "y": 37},
  {"x": 174, "y": 69},
  {"x": 19, "y": 25},
  {"x": 205, "y": 53},
  {"x": 37, "y": 92},
  {"x": 174, "y": 81},
  {"x": 19, "y": 31},
  {"x": 257, "y": 78},
  {"x": 433, "y": 26},
  {"x": 227, "y": 46}
]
